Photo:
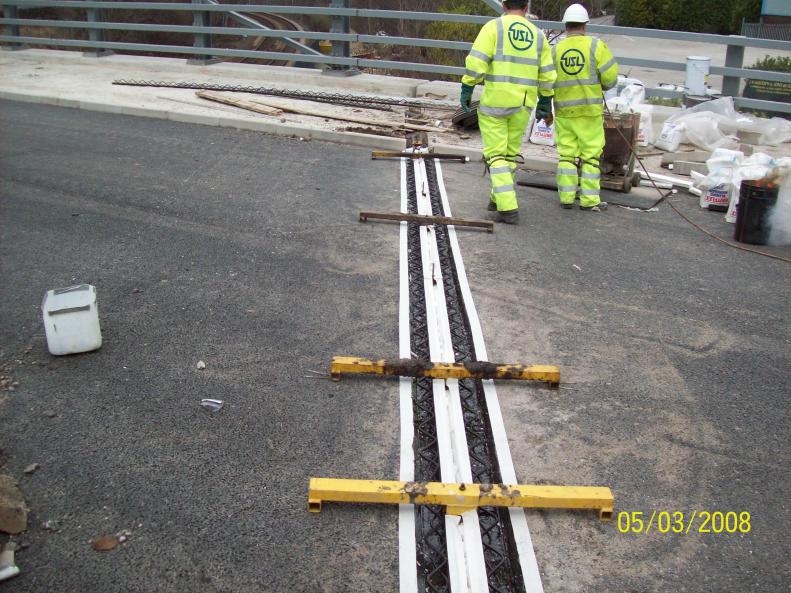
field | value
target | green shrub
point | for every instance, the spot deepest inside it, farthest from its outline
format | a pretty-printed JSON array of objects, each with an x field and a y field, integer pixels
[
  {"x": 665, "y": 102},
  {"x": 633, "y": 13},
  {"x": 454, "y": 32},
  {"x": 701, "y": 16},
  {"x": 773, "y": 64}
]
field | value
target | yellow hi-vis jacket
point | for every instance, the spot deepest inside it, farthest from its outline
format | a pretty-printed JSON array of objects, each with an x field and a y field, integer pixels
[
  {"x": 585, "y": 66},
  {"x": 513, "y": 59}
]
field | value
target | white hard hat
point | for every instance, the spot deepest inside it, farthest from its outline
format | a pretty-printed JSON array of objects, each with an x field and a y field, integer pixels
[{"x": 576, "y": 13}]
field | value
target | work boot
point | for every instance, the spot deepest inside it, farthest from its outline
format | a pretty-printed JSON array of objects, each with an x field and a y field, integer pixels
[
  {"x": 600, "y": 207},
  {"x": 566, "y": 206},
  {"x": 508, "y": 216}
]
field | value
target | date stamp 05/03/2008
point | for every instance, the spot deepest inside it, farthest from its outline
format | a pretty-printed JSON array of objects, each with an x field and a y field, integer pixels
[{"x": 681, "y": 523}]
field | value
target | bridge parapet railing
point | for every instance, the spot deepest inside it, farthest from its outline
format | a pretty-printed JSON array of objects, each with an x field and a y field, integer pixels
[{"x": 99, "y": 12}]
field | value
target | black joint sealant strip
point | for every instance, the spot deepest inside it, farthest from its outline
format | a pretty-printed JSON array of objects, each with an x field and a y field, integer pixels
[
  {"x": 503, "y": 570},
  {"x": 432, "y": 552}
]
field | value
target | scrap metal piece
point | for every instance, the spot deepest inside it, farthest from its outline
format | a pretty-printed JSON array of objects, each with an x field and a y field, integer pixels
[
  {"x": 460, "y": 498},
  {"x": 428, "y": 220},
  {"x": 409, "y": 367},
  {"x": 213, "y": 405},
  {"x": 467, "y": 120},
  {"x": 381, "y": 102}
]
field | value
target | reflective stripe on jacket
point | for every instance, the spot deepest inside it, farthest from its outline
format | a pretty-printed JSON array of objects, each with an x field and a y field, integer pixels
[
  {"x": 513, "y": 60},
  {"x": 585, "y": 66}
]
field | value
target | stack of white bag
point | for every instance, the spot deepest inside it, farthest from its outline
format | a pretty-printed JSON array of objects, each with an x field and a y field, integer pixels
[
  {"x": 541, "y": 133},
  {"x": 715, "y": 124},
  {"x": 726, "y": 171},
  {"x": 631, "y": 100}
]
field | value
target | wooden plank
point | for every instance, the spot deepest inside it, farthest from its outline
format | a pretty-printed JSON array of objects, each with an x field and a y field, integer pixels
[
  {"x": 340, "y": 117},
  {"x": 238, "y": 102},
  {"x": 426, "y": 220}
]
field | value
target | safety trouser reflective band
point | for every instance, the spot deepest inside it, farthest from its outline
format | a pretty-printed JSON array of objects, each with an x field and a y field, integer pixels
[
  {"x": 589, "y": 185},
  {"x": 498, "y": 170},
  {"x": 503, "y": 188},
  {"x": 581, "y": 138},
  {"x": 502, "y": 136},
  {"x": 567, "y": 180}
]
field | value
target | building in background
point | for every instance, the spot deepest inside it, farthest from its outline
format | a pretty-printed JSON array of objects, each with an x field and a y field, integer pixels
[
  {"x": 776, "y": 12},
  {"x": 775, "y": 21}
]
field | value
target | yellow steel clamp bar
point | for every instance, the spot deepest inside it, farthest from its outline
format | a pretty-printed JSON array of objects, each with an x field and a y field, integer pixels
[
  {"x": 459, "y": 498},
  {"x": 408, "y": 367}
]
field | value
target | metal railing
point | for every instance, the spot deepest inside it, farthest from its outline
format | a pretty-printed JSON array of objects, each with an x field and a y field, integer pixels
[{"x": 342, "y": 37}]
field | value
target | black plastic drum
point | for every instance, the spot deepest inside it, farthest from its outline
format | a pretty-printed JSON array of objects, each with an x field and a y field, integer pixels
[{"x": 756, "y": 200}]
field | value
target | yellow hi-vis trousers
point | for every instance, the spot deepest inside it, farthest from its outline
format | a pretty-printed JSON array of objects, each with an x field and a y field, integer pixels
[
  {"x": 502, "y": 139},
  {"x": 583, "y": 138}
]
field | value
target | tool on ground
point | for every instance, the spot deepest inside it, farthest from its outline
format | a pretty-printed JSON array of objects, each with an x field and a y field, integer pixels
[
  {"x": 548, "y": 181},
  {"x": 392, "y": 154},
  {"x": 410, "y": 367},
  {"x": 460, "y": 498},
  {"x": 428, "y": 220}
]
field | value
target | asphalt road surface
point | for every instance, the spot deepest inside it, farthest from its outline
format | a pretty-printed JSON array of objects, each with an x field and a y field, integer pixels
[{"x": 244, "y": 251}]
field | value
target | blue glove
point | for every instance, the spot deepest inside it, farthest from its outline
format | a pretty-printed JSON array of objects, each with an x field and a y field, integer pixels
[
  {"x": 544, "y": 108},
  {"x": 466, "y": 96}
]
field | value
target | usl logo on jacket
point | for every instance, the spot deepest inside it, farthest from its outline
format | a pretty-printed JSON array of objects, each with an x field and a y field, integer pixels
[
  {"x": 520, "y": 36},
  {"x": 572, "y": 61}
]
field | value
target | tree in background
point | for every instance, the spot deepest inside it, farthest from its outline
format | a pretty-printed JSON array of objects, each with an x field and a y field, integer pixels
[
  {"x": 701, "y": 16},
  {"x": 633, "y": 13}
]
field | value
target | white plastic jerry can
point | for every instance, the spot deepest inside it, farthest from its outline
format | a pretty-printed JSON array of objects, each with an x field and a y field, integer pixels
[{"x": 71, "y": 320}]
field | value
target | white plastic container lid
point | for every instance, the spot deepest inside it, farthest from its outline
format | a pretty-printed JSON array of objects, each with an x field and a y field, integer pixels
[{"x": 70, "y": 299}]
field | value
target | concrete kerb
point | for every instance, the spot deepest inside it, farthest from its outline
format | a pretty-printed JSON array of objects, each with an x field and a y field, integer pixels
[
  {"x": 277, "y": 129},
  {"x": 97, "y": 106},
  {"x": 28, "y": 97},
  {"x": 145, "y": 112},
  {"x": 194, "y": 118},
  {"x": 273, "y": 128},
  {"x": 141, "y": 67}
]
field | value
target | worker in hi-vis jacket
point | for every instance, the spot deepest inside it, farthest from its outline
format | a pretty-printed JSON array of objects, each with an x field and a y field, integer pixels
[
  {"x": 585, "y": 66},
  {"x": 514, "y": 61}
]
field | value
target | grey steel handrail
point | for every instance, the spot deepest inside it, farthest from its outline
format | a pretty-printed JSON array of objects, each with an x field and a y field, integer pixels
[{"x": 732, "y": 72}]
